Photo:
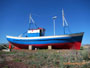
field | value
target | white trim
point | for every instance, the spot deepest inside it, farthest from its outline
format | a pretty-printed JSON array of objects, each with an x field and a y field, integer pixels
[
  {"x": 33, "y": 31},
  {"x": 44, "y": 37}
]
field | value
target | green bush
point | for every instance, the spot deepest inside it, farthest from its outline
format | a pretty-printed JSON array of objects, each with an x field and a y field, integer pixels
[{"x": 81, "y": 48}]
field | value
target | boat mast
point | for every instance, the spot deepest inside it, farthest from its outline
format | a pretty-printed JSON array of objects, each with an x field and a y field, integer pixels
[
  {"x": 54, "y": 24},
  {"x": 64, "y": 21},
  {"x": 31, "y": 21}
]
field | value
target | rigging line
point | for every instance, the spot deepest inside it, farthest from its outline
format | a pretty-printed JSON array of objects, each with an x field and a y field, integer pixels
[
  {"x": 69, "y": 29},
  {"x": 22, "y": 34},
  {"x": 67, "y": 25},
  {"x": 33, "y": 22},
  {"x": 65, "y": 22}
]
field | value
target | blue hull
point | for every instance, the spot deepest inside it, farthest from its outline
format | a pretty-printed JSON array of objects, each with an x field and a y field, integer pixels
[{"x": 48, "y": 40}]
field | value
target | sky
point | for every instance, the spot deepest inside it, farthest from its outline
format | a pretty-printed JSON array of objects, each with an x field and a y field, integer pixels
[{"x": 14, "y": 16}]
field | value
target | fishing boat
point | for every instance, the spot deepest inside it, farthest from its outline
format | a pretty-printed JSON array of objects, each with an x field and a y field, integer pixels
[{"x": 37, "y": 39}]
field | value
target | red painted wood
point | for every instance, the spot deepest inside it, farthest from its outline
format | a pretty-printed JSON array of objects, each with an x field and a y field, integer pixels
[
  {"x": 10, "y": 46},
  {"x": 72, "y": 45}
]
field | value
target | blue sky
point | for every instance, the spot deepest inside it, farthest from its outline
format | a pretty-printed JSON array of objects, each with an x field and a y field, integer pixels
[{"x": 14, "y": 16}]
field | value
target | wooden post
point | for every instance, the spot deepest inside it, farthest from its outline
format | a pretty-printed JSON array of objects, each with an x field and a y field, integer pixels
[
  {"x": 30, "y": 47},
  {"x": 49, "y": 47}
]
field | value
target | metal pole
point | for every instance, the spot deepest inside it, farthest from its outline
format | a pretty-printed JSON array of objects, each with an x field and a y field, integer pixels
[
  {"x": 63, "y": 20},
  {"x": 54, "y": 26},
  {"x": 64, "y": 29},
  {"x": 29, "y": 21}
]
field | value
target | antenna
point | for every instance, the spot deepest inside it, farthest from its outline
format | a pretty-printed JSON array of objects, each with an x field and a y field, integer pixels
[{"x": 54, "y": 23}]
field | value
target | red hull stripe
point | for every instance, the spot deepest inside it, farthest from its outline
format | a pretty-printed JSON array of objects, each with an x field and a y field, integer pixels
[{"x": 71, "y": 45}]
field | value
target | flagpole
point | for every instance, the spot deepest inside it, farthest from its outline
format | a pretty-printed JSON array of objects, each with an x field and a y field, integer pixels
[{"x": 54, "y": 24}]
